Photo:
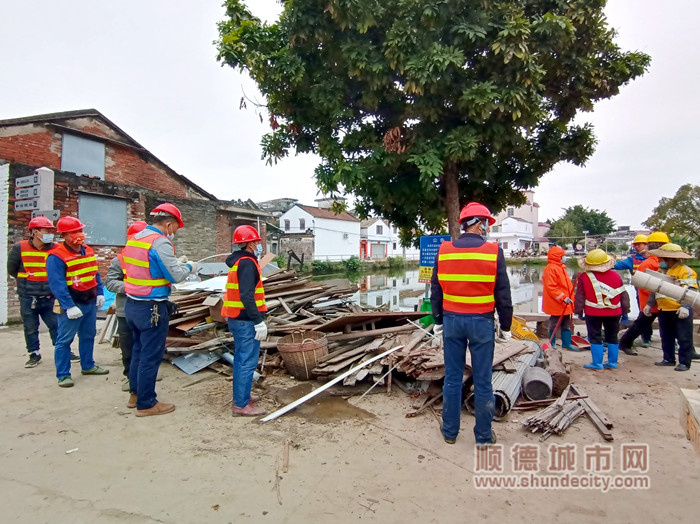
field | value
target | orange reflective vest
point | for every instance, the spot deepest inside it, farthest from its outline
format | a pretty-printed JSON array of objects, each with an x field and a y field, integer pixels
[
  {"x": 34, "y": 262},
  {"x": 80, "y": 269},
  {"x": 136, "y": 265},
  {"x": 233, "y": 306},
  {"x": 467, "y": 277}
]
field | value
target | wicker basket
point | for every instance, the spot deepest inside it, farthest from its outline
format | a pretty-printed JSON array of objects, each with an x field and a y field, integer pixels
[{"x": 300, "y": 352}]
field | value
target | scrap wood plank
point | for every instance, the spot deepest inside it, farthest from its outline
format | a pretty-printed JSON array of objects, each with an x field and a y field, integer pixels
[
  {"x": 370, "y": 333},
  {"x": 577, "y": 390},
  {"x": 186, "y": 324},
  {"x": 592, "y": 412}
]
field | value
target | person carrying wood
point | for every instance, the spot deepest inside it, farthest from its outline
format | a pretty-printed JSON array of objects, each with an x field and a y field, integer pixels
[
  {"x": 115, "y": 283},
  {"x": 151, "y": 268},
  {"x": 557, "y": 290},
  {"x": 245, "y": 308},
  {"x": 468, "y": 283},
  {"x": 602, "y": 298}
]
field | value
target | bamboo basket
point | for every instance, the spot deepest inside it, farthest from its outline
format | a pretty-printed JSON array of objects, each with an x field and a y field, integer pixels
[{"x": 300, "y": 352}]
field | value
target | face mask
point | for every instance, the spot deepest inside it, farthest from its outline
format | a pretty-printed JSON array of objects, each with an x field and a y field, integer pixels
[
  {"x": 564, "y": 259},
  {"x": 484, "y": 230},
  {"x": 47, "y": 238},
  {"x": 170, "y": 236},
  {"x": 258, "y": 250},
  {"x": 77, "y": 239},
  {"x": 663, "y": 265}
]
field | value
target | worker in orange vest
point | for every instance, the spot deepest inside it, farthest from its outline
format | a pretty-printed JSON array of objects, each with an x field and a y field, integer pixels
[
  {"x": 114, "y": 281},
  {"x": 470, "y": 281},
  {"x": 27, "y": 263},
  {"x": 76, "y": 284},
  {"x": 557, "y": 290},
  {"x": 245, "y": 308}
]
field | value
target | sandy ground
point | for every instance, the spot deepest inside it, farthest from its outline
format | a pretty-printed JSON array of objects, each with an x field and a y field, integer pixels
[{"x": 349, "y": 460}]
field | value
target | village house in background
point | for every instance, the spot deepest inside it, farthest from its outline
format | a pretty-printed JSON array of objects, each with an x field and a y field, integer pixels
[
  {"x": 518, "y": 229},
  {"x": 106, "y": 179}
]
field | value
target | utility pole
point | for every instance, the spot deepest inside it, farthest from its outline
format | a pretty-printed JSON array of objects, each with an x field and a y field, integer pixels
[{"x": 585, "y": 240}]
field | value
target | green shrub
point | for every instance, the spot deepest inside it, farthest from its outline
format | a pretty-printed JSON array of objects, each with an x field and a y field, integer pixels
[
  {"x": 352, "y": 264},
  {"x": 396, "y": 262}
]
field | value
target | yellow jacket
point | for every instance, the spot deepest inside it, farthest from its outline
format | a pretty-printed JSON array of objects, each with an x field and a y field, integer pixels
[{"x": 685, "y": 277}]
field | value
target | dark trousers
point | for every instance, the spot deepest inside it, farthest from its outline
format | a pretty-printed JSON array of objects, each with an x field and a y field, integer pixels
[
  {"x": 599, "y": 326},
  {"x": 126, "y": 340},
  {"x": 672, "y": 329},
  {"x": 43, "y": 308},
  {"x": 147, "y": 348},
  {"x": 641, "y": 326}
]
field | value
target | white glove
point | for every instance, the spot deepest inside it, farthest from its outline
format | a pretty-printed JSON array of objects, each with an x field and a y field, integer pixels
[
  {"x": 100, "y": 301},
  {"x": 260, "y": 331},
  {"x": 683, "y": 313},
  {"x": 194, "y": 267},
  {"x": 647, "y": 311},
  {"x": 182, "y": 260},
  {"x": 74, "y": 312},
  {"x": 506, "y": 335},
  {"x": 437, "y": 330},
  {"x": 567, "y": 300}
]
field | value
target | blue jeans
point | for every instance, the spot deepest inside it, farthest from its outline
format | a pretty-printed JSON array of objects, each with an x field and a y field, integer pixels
[
  {"x": 245, "y": 359},
  {"x": 30, "y": 320},
  {"x": 85, "y": 328},
  {"x": 477, "y": 332},
  {"x": 147, "y": 348}
]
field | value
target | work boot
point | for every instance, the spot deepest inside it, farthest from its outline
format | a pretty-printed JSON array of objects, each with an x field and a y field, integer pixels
[
  {"x": 693, "y": 356},
  {"x": 681, "y": 367},
  {"x": 629, "y": 351},
  {"x": 95, "y": 370},
  {"x": 33, "y": 361},
  {"x": 665, "y": 363},
  {"x": 490, "y": 442},
  {"x": 566, "y": 340},
  {"x": 613, "y": 352},
  {"x": 597, "y": 351},
  {"x": 248, "y": 411},
  {"x": 161, "y": 408},
  {"x": 448, "y": 440},
  {"x": 74, "y": 357},
  {"x": 132, "y": 401},
  {"x": 65, "y": 382}
]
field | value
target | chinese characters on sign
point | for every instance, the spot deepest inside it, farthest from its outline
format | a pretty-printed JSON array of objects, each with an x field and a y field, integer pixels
[{"x": 429, "y": 247}]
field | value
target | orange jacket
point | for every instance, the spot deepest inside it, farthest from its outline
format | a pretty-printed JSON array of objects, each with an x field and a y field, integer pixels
[
  {"x": 556, "y": 285},
  {"x": 650, "y": 263}
]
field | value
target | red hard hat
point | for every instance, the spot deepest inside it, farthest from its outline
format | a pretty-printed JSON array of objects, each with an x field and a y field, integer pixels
[
  {"x": 171, "y": 210},
  {"x": 69, "y": 225},
  {"x": 136, "y": 227},
  {"x": 41, "y": 222},
  {"x": 245, "y": 234},
  {"x": 474, "y": 209}
]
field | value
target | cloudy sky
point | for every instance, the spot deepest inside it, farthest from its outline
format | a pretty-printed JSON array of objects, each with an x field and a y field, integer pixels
[{"x": 150, "y": 66}]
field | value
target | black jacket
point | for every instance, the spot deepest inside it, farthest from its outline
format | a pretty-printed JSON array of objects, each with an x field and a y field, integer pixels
[
  {"x": 501, "y": 292},
  {"x": 26, "y": 288},
  {"x": 248, "y": 278}
]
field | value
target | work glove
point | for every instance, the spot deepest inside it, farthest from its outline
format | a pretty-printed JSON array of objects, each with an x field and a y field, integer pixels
[
  {"x": 182, "y": 260},
  {"x": 647, "y": 311},
  {"x": 260, "y": 331},
  {"x": 74, "y": 312},
  {"x": 683, "y": 313},
  {"x": 437, "y": 330},
  {"x": 100, "y": 301},
  {"x": 194, "y": 267},
  {"x": 567, "y": 300},
  {"x": 506, "y": 335}
]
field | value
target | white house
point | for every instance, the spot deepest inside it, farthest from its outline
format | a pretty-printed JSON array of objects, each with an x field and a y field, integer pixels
[
  {"x": 513, "y": 234},
  {"x": 336, "y": 236},
  {"x": 375, "y": 239},
  {"x": 397, "y": 250}
]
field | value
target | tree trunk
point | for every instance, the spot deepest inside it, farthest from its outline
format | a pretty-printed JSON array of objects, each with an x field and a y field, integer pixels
[
  {"x": 450, "y": 177},
  {"x": 555, "y": 366}
]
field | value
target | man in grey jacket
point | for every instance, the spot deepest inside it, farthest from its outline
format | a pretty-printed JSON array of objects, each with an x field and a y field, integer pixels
[{"x": 115, "y": 283}]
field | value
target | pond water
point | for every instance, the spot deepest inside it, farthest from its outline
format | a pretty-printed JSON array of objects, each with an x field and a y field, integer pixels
[{"x": 402, "y": 291}]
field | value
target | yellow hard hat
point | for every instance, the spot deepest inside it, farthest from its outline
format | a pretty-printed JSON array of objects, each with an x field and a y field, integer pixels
[
  {"x": 596, "y": 257},
  {"x": 658, "y": 236},
  {"x": 640, "y": 239}
]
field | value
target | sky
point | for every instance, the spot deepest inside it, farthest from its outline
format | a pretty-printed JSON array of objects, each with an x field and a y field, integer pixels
[{"x": 150, "y": 67}]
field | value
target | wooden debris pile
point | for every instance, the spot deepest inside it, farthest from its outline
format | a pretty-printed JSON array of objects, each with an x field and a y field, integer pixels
[{"x": 555, "y": 418}]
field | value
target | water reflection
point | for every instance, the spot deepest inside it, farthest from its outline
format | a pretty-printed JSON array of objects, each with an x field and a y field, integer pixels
[{"x": 401, "y": 291}]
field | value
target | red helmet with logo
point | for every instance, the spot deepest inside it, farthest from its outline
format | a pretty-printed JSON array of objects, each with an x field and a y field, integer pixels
[
  {"x": 170, "y": 209},
  {"x": 136, "y": 227},
  {"x": 245, "y": 234},
  {"x": 41, "y": 222},
  {"x": 474, "y": 209},
  {"x": 69, "y": 225}
]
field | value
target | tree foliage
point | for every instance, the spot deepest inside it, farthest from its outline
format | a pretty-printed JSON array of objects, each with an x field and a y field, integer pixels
[
  {"x": 679, "y": 216},
  {"x": 570, "y": 228},
  {"x": 419, "y": 106}
]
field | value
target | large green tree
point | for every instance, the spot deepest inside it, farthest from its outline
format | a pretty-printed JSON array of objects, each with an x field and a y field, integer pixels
[
  {"x": 418, "y": 106},
  {"x": 570, "y": 227},
  {"x": 679, "y": 216}
]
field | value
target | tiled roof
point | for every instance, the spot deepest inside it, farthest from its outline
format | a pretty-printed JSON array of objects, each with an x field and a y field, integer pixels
[{"x": 327, "y": 213}]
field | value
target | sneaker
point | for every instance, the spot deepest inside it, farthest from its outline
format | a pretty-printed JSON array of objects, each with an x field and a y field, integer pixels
[
  {"x": 33, "y": 361},
  {"x": 693, "y": 356},
  {"x": 665, "y": 363},
  {"x": 248, "y": 411},
  {"x": 629, "y": 351},
  {"x": 132, "y": 401},
  {"x": 646, "y": 343},
  {"x": 74, "y": 357},
  {"x": 681, "y": 367},
  {"x": 95, "y": 370},
  {"x": 161, "y": 408},
  {"x": 125, "y": 385},
  {"x": 65, "y": 382}
]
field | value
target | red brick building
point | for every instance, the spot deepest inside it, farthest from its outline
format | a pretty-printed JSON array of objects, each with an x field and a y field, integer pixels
[{"x": 108, "y": 180}]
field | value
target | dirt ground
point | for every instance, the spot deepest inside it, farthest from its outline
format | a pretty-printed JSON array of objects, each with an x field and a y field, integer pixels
[{"x": 79, "y": 455}]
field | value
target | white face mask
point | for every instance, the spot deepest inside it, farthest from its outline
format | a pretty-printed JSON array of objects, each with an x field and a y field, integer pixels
[
  {"x": 258, "y": 250},
  {"x": 47, "y": 238},
  {"x": 484, "y": 230},
  {"x": 170, "y": 236},
  {"x": 564, "y": 259}
]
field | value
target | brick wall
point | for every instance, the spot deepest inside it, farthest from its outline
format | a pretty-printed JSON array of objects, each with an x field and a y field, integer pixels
[{"x": 299, "y": 243}]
